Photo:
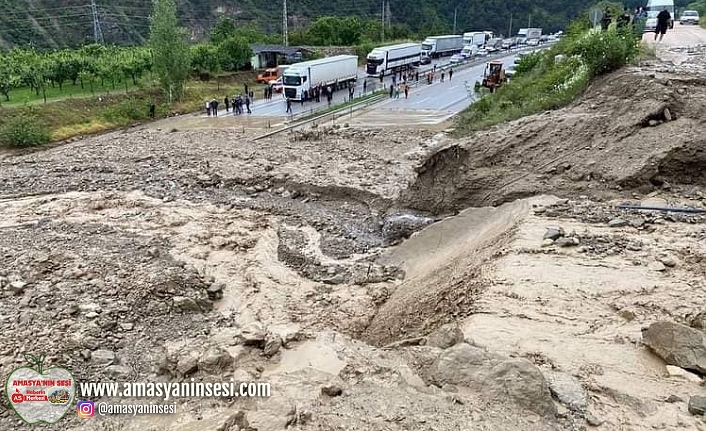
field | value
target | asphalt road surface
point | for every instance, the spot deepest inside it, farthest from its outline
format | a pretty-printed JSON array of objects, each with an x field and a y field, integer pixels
[{"x": 430, "y": 104}]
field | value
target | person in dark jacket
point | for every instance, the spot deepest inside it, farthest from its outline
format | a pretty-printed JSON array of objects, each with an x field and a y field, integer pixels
[
  {"x": 227, "y": 103},
  {"x": 663, "y": 20}
]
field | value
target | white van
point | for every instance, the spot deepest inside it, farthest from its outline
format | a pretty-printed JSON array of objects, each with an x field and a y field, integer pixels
[{"x": 654, "y": 7}]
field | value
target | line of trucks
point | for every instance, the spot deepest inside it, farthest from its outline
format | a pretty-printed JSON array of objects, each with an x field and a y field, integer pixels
[{"x": 340, "y": 71}]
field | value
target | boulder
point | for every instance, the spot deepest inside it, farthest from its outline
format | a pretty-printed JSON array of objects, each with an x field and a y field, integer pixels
[
  {"x": 273, "y": 343},
  {"x": 618, "y": 222},
  {"x": 214, "y": 360},
  {"x": 188, "y": 363},
  {"x": 514, "y": 380},
  {"x": 554, "y": 233},
  {"x": 446, "y": 336},
  {"x": 184, "y": 304},
  {"x": 102, "y": 357},
  {"x": 697, "y": 405},
  {"x": 699, "y": 321},
  {"x": 568, "y": 390},
  {"x": 681, "y": 373},
  {"x": 253, "y": 333},
  {"x": 677, "y": 345}
]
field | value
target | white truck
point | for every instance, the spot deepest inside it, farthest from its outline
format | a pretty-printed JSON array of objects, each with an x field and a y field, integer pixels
[
  {"x": 477, "y": 38},
  {"x": 438, "y": 46},
  {"x": 393, "y": 58},
  {"x": 337, "y": 70},
  {"x": 526, "y": 34},
  {"x": 469, "y": 51}
]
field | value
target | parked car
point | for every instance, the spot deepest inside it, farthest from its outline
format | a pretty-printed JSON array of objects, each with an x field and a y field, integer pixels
[
  {"x": 509, "y": 43},
  {"x": 689, "y": 17},
  {"x": 457, "y": 58},
  {"x": 484, "y": 52},
  {"x": 425, "y": 60},
  {"x": 276, "y": 85},
  {"x": 533, "y": 42}
]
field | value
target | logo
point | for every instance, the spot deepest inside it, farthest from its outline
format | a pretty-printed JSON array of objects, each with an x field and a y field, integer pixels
[
  {"x": 85, "y": 409},
  {"x": 38, "y": 395}
]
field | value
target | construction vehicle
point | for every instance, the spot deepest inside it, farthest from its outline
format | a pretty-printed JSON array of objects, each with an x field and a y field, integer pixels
[{"x": 494, "y": 75}]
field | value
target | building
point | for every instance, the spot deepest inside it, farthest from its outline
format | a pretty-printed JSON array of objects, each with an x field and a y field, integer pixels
[{"x": 274, "y": 55}]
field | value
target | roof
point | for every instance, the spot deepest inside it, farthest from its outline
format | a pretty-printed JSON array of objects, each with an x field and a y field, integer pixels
[{"x": 258, "y": 48}]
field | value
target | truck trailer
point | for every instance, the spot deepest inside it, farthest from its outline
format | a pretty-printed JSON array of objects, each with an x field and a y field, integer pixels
[
  {"x": 477, "y": 38},
  {"x": 438, "y": 46},
  {"x": 392, "y": 58},
  {"x": 339, "y": 70},
  {"x": 526, "y": 34}
]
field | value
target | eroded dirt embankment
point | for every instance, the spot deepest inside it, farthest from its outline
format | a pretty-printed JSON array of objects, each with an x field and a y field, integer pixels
[{"x": 639, "y": 128}]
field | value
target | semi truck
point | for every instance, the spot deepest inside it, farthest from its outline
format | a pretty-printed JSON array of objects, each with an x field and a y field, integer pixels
[
  {"x": 438, "y": 46},
  {"x": 339, "y": 70},
  {"x": 477, "y": 38},
  {"x": 526, "y": 34},
  {"x": 392, "y": 58}
]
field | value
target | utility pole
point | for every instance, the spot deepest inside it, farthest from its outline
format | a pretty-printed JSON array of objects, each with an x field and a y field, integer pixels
[
  {"x": 388, "y": 15},
  {"x": 383, "y": 20},
  {"x": 285, "y": 30},
  {"x": 97, "y": 32},
  {"x": 529, "y": 21},
  {"x": 455, "y": 13},
  {"x": 509, "y": 33}
]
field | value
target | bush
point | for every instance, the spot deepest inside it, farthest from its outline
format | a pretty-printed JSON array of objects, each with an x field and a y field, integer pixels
[
  {"x": 24, "y": 131},
  {"x": 127, "y": 110},
  {"x": 606, "y": 51}
]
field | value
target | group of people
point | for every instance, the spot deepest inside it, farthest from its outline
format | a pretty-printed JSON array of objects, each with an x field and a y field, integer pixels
[
  {"x": 239, "y": 105},
  {"x": 637, "y": 19}
]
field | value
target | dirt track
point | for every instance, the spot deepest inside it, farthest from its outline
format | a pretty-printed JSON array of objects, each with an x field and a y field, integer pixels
[{"x": 201, "y": 253}]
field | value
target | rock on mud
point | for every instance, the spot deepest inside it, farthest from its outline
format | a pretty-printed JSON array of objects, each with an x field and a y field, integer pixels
[
  {"x": 568, "y": 390},
  {"x": 677, "y": 344},
  {"x": 697, "y": 405},
  {"x": 514, "y": 380},
  {"x": 445, "y": 337}
]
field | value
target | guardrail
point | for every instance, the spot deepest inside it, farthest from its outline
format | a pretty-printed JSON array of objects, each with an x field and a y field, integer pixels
[{"x": 333, "y": 114}]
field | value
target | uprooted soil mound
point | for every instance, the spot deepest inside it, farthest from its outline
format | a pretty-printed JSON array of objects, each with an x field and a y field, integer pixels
[{"x": 638, "y": 128}]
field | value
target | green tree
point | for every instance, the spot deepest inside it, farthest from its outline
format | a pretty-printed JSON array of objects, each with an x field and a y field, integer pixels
[
  {"x": 170, "y": 51},
  {"x": 205, "y": 59},
  {"x": 234, "y": 53},
  {"x": 9, "y": 76}
]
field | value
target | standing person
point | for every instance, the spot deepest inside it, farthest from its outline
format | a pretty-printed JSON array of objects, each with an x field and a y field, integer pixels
[
  {"x": 246, "y": 88},
  {"x": 416, "y": 76},
  {"x": 392, "y": 90},
  {"x": 264, "y": 94},
  {"x": 329, "y": 98},
  {"x": 247, "y": 104},
  {"x": 152, "y": 109},
  {"x": 365, "y": 86},
  {"x": 214, "y": 102},
  {"x": 227, "y": 103},
  {"x": 382, "y": 76},
  {"x": 442, "y": 76},
  {"x": 663, "y": 20},
  {"x": 394, "y": 79},
  {"x": 451, "y": 74},
  {"x": 289, "y": 105},
  {"x": 351, "y": 90},
  {"x": 208, "y": 109},
  {"x": 303, "y": 98},
  {"x": 406, "y": 91},
  {"x": 397, "y": 92}
]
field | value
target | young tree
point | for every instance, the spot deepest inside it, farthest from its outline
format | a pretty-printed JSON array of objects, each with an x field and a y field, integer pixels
[
  {"x": 9, "y": 77},
  {"x": 170, "y": 51},
  {"x": 234, "y": 52}
]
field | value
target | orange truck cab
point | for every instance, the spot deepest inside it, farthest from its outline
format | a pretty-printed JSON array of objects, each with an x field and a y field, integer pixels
[{"x": 267, "y": 76}]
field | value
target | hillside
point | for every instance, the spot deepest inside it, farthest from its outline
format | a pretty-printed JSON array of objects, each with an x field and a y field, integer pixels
[{"x": 58, "y": 23}]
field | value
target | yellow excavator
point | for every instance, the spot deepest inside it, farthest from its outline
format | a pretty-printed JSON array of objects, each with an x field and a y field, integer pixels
[{"x": 494, "y": 75}]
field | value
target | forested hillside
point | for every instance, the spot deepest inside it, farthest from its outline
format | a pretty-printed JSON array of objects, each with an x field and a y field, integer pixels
[{"x": 59, "y": 23}]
